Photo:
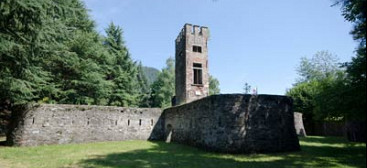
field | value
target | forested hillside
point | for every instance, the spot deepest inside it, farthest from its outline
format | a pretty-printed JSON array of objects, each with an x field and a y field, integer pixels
[{"x": 151, "y": 74}]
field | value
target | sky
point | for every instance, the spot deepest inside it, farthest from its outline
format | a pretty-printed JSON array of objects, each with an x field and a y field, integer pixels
[{"x": 255, "y": 42}]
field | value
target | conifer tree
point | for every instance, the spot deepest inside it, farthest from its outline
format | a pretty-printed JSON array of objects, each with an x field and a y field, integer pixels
[
  {"x": 123, "y": 73},
  {"x": 163, "y": 89},
  {"x": 144, "y": 88},
  {"x": 31, "y": 32},
  {"x": 77, "y": 65}
]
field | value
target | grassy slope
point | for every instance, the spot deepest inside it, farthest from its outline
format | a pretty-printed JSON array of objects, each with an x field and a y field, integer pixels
[{"x": 316, "y": 152}]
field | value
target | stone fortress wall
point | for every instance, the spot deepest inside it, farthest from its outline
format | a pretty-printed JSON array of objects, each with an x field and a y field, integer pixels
[
  {"x": 61, "y": 124},
  {"x": 298, "y": 124},
  {"x": 235, "y": 123}
]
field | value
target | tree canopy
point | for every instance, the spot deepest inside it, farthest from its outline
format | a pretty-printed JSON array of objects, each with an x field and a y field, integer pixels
[
  {"x": 51, "y": 53},
  {"x": 315, "y": 92},
  {"x": 213, "y": 85},
  {"x": 327, "y": 89},
  {"x": 355, "y": 11},
  {"x": 163, "y": 89}
]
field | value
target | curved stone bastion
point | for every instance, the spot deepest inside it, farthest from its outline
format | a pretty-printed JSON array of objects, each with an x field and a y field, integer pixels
[{"x": 232, "y": 123}]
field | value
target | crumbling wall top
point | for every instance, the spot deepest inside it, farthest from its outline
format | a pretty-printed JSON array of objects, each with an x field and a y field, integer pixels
[{"x": 190, "y": 29}]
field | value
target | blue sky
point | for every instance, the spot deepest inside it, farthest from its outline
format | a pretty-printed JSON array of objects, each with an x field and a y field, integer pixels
[{"x": 258, "y": 42}]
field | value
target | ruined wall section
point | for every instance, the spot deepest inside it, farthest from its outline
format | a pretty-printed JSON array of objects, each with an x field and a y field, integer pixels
[
  {"x": 61, "y": 124},
  {"x": 298, "y": 124},
  {"x": 234, "y": 123}
]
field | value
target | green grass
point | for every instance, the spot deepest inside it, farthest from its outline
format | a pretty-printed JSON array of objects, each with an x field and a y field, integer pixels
[{"x": 316, "y": 152}]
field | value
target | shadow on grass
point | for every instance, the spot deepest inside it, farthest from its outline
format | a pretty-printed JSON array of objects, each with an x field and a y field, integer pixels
[
  {"x": 174, "y": 155},
  {"x": 324, "y": 139}
]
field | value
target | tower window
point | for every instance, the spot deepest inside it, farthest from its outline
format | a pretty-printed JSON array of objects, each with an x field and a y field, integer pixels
[
  {"x": 198, "y": 73},
  {"x": 196, "y": 49}
]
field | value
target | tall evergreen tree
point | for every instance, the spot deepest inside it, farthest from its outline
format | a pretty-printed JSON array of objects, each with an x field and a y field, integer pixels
[
  {"x": 144, "y": 88},
  {"x": 163, "y": 89},
  {"x": 123, "y": 73},
  {"x": 31, "y": 32},
  {"x": 50, "y": 52},
  {"x": 80, "y": 72},
  {"x": 76, "y": 67}
]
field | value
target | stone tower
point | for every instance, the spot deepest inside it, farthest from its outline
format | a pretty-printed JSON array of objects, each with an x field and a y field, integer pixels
[{"x": 192, "y": 78}]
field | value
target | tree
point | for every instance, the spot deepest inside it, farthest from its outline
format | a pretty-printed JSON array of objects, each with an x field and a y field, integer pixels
[
  {"x": 80, "y": 73},
  {"x": 50, "y": 52},
  {"x": 318, "y": 91},
  {"x": 213, "y": 85},
  {"x": 20, "y": 75},
  {"x": 320, "y": 66},
  {"x": 354, "y": 11},
  {"x": 144, "y": 88},
  {"x": 303, "y": 95},
  {"x": 123, "y": 72},
  {"x": 33, "y": 34},
  {"x": 78, "y": 67},
  {"x": 151, "y": 74},
  {"x": 163, "y": 89}
]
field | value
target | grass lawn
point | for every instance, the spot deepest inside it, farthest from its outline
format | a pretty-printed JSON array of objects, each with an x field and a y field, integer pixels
[{"x": 316, "y": 152}]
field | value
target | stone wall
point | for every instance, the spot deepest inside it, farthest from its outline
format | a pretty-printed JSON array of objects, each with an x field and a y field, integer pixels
[
  {"x": 234, "y": 123},
  {"x": 225, "y": 123},
  {"x": 60, "y": 124},
  {"x": 298, "y": 124}
]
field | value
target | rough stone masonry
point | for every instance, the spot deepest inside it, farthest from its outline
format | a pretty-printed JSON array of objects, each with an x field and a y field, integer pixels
[
  {"x": 234, "y": 123},
  {"x": 191, "y": 68},
  {"x": 36, "y": 124}
]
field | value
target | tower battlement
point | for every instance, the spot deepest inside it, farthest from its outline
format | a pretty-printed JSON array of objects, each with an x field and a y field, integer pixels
[{"x": 193, "y": 30}]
